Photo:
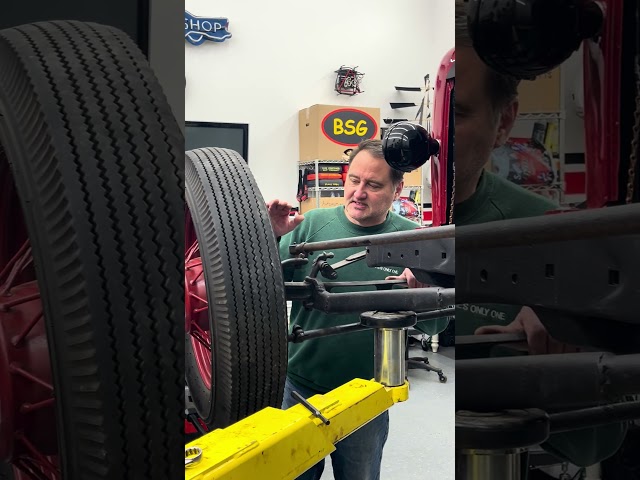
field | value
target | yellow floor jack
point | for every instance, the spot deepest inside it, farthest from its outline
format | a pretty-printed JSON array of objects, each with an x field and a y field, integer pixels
[{"x": 282, "y": 444}]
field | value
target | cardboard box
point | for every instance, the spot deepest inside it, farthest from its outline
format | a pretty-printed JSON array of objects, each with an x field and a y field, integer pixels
[
  {"x": 326, "y": 201},
  {"x": 541, "y": 95},
  {"x": 413, "y": 179},
  {"x": 326, "y": 131}
]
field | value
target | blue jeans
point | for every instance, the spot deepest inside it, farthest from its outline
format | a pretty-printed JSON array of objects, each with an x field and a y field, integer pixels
[{"x": 357, "y": 457}]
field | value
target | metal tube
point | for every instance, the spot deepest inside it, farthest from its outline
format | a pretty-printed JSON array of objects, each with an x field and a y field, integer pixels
[
  {"x": 490, "y": 464},
  {"x": 298, "y": 291},
  {"x": 305, "y": 290},
  {"x": 443, "y": 312},
  {"x": 566, "y": 381},
  {"x": 432, "y": 233},
  {"x": 621, "y": 375},
  {"x": 495, "y": 338},
  {"x": 594, "y": 417},
  {"x": 193, "y": 418},
  {"x": 597, "y": 223},
  {"x": 389, "y": 356},
  {"x": 411, "y": 299},
  {"x": 325, "y": 332}
]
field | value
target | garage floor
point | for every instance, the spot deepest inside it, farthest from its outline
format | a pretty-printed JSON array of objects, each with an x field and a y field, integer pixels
[{"x": 422, "y": 431}]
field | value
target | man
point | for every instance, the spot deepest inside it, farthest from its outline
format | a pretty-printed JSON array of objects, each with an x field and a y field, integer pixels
[
  {"x": 320, "y": 365},
  {"x": 485, "y": 111},
  {"x": 486, "y": 106}
]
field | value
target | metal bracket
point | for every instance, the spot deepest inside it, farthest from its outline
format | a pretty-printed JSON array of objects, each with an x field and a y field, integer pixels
[
  {"x": 431, "y": 261},
  {"x": 593, "y": 277},
  {"x": 576, "y": 270}
]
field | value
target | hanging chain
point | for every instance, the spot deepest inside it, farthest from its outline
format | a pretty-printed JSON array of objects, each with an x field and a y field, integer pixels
[
  {"x": 633, "y": 158},
  {"x": 453, "y": 183},
  {"x": 453, "y": 195}
]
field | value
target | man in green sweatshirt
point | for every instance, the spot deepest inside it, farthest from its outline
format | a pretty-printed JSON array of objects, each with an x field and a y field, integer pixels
[
  {"x": 485, "y": 111},
  {"x": 322, "y": 364}
]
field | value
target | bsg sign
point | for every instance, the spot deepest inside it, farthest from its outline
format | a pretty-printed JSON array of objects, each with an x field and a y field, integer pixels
[{"x": 349, "y": 126}]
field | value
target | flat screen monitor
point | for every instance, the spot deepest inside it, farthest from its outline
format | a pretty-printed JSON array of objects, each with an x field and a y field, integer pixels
[{"x": 224, "y": 135}]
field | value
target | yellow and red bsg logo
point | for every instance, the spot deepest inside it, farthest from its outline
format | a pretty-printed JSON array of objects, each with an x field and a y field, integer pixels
[{"x": 349, "y": 126}]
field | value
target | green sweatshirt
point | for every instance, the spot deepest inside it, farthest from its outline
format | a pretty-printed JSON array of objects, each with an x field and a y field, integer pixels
[
  {"x": 323, "y": 364},
  {"x": 499, "y": 199}
]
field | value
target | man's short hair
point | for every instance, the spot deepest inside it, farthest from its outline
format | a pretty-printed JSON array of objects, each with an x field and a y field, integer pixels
[
  {"x": 502, "y": 89},
  {"x": 374, "y": 147}
]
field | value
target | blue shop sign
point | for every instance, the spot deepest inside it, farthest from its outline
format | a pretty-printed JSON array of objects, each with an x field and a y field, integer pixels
[{"x": 197, "y": 30}]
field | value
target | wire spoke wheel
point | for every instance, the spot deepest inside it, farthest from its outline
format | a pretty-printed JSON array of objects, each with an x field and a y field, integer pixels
[
  {"x": 197, "y": 307},
  {"x": 91, "y": 259},
  {"x": 235, "y": 311}
]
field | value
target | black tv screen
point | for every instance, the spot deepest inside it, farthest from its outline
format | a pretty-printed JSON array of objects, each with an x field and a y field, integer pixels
[{"x": 224, "y": 135}]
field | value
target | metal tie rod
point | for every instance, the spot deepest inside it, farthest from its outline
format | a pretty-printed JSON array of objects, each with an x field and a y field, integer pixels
[
  {"x": 420, "y": 234},
  {"x": 596, "y": 223},
  {"x": 594, "y": 417}
]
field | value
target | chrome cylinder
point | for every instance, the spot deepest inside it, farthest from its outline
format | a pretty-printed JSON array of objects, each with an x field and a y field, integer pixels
[
  {"x": 389, "y": 356},
  {"x": 491, "y": 464}
]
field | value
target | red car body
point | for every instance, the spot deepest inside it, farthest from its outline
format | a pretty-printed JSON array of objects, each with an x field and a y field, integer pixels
[{"x": 442, "y": 120}]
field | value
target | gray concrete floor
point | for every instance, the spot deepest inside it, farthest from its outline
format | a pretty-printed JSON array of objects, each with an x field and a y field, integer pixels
[{"x": 422, "y": 430}]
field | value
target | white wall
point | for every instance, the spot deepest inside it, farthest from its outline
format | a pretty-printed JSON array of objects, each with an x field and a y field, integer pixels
[{"x": 282, "y": 58}]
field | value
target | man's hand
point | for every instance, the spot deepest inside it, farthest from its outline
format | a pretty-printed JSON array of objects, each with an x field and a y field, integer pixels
[
  {"x": 408, "y": 276},
  {"x": 538, "y": 339},
  {"x": 281, "y": 222}
]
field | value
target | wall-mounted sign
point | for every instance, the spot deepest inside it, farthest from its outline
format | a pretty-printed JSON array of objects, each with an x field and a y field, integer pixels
[
  {"x": 197, "y": 30},
  {"x": 348, "y": 81},
  {"x": 348, "y": 126}
]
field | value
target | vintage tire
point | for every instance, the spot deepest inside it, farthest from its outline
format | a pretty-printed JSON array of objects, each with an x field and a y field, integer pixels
[
  {"x": 97, "y": 161},
  {"x": 6, "y": 472},
  {"x": 245, "y": 290}
]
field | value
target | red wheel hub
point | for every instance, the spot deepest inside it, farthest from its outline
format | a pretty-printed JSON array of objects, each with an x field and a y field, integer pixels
[{"x": 196, "y": 305}]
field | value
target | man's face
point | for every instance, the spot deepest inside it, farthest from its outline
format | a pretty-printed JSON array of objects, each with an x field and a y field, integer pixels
[
  {"x": 479, "y": 129},
  {"x": 369, "y": 191}
]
